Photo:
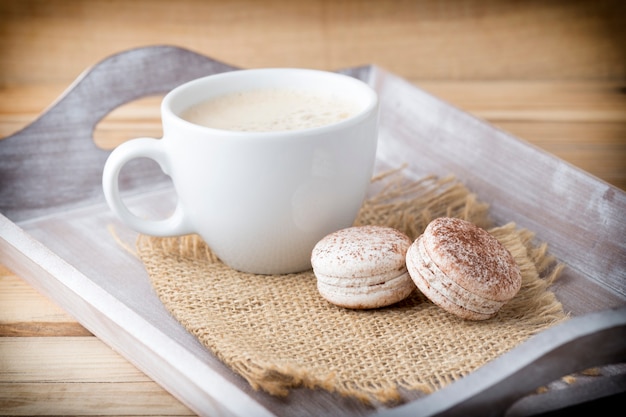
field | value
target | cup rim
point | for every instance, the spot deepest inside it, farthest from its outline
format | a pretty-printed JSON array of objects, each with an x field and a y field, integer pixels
[{"x": 365, "y": 112}]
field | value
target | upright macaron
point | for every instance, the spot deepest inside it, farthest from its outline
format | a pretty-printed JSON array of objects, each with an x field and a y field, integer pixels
[
  {"x": 363, "y": 267},
  {"x": 463, "y": 268}
]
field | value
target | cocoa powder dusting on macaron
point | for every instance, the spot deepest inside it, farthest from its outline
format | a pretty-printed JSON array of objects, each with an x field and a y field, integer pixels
[
  {"x": 473, "y": 258},
  {"x": 360, "y": 251}
]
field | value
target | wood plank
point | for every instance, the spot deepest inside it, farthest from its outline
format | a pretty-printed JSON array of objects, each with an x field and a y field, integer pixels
[
  {"x": 88, "y": 399},
  {"x": 584, "y": 100},
  {"x": 453, "y": 39},
  {"x": 24, "y": 312},
  {"x": 583, "y": 123},
  {"x": 19, "y": 302},
  {"x": 45, "y": 376},
  {"x": 598, "y": 148},
  {"x": 553, "y": 100},
  {"x": 64, "y": 360},
  {"x": 43, "y": 328},
  {"x": 535, "y": 100}
]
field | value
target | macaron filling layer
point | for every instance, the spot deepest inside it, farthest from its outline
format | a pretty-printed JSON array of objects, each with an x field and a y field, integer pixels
[
  {"x": 341, "y": 281},
  {"x": 399, "y": 281},
  {"x": 372, "y": 296}
]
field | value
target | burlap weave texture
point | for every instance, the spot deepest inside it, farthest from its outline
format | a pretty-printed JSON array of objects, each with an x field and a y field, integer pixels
[{"x": 278, "y": 333}]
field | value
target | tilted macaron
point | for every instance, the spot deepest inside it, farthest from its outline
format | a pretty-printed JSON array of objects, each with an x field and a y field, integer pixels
[
  {"x": 463, "y": 269},
  {"x": 363, "y": 267}
]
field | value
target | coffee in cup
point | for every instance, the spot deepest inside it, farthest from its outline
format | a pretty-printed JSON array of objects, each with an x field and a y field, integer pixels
[{"x": 270, "y": 110}]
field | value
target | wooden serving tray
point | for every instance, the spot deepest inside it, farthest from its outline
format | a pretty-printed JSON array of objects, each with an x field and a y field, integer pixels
[{"x": 57, "y": 232}]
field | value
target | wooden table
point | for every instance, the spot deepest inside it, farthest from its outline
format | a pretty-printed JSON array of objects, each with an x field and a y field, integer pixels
[{"x": 552, "y": 74}]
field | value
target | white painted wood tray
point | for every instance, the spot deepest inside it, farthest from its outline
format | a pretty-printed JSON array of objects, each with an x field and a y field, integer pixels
[{"x": 57, "y": 232}]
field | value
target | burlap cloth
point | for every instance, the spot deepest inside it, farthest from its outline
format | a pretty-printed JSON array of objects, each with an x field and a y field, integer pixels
[{"x": 278, "y": 333}]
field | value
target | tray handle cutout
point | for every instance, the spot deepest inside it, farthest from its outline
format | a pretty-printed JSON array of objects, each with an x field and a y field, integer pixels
[{"x": 53, "y": 163}]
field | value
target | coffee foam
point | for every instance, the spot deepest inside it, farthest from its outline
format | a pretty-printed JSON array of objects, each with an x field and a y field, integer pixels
[{"x": 267, "y": 110}]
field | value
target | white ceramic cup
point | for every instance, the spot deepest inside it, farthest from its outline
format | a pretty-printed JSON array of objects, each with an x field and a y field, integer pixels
[{"x": 260, "y": 200}]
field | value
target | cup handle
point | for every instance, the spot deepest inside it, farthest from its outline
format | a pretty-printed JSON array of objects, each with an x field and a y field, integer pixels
[{"x": 176, "y": 224}]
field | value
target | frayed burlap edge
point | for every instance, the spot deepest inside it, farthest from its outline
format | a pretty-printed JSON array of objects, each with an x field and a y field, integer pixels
[{"x": 398, "y": 202}]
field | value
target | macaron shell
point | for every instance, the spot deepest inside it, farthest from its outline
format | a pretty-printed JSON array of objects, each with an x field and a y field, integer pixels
[
  {"x": 447, "y": 287},
  {"x": 363, "y": 251},
  {"x": 444, "y": 303},
  {"x": 472, "y": 258},
  {"x": 433, "y": 284}
]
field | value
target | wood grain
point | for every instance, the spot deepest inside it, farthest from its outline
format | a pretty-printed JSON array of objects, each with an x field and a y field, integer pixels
[
  {"x": 551, "y": 72},
  {"x": 106, "y": 398},
  {"x": 451, "y": 39},
  {"x": 17, "y": 304},
  {"x": 25, "y": 314},
  {"x": 48, "y": 361}
]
